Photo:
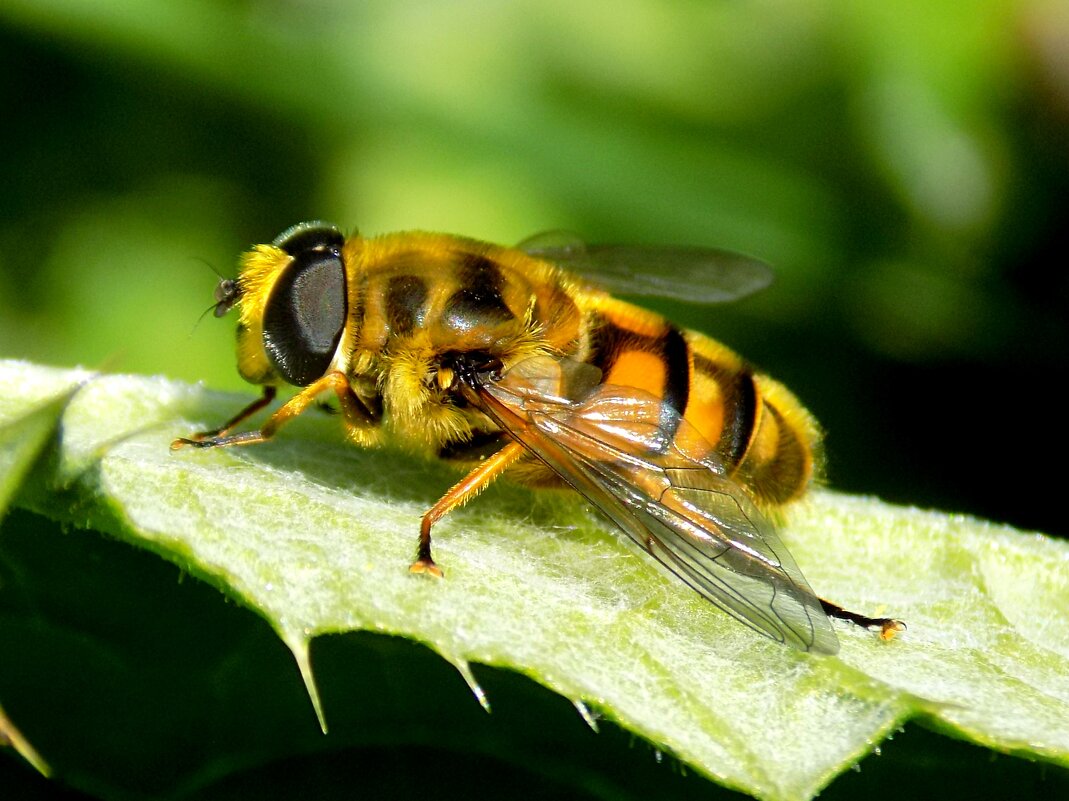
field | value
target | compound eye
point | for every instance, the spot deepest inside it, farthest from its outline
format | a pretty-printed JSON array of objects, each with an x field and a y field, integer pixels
[
  {"x": 305, "y": 313},
  {"x": 309, "y": 236}
]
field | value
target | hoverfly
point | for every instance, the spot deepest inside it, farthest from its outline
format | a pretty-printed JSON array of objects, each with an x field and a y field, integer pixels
[{"x": 519, "y": 360}]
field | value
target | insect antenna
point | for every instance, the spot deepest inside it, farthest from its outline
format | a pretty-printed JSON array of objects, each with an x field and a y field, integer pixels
[{"x": 227, "y": 293}]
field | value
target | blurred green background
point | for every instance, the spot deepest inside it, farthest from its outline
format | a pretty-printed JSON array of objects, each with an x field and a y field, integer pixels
[{"x": 904, "y": 166}]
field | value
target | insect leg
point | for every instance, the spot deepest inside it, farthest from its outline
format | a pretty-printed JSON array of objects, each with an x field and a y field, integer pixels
[
  {"x": 461, "y": 492},
  {"x": 888, "y": 626},
  {"x": 360, "y": 419},
  {"x": 244, "y": 414},
  {"x": 336, "y": 381}
]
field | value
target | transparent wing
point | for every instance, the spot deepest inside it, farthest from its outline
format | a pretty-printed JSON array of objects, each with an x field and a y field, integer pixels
[
  {"x": 694, "y": 275},
  {"x": 618, "y": 447}
]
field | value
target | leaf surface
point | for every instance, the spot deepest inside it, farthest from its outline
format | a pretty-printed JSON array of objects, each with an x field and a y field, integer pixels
[{"x": 316, "y": 536}]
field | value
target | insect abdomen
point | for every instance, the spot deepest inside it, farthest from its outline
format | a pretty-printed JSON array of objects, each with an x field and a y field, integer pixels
[{"x": 751, "y": 423}]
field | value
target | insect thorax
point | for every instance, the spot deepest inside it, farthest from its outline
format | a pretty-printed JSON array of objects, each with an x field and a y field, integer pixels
[{"x": 418, "y": 301}]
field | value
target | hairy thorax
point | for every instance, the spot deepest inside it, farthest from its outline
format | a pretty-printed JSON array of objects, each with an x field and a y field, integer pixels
[{"x": 414, "y": 304}]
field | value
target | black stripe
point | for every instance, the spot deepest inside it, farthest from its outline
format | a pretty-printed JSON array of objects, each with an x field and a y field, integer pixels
[
  {"x": 478, "y": 301},
  {"x": 607, "y": 342},
  {"x": 738, "y": 394},
  {"x": 676, "y": 392},
  {"x": 406, "y": 301},
  {"x": 479, "y": 271},
  {"x": 740, "y": 415}
]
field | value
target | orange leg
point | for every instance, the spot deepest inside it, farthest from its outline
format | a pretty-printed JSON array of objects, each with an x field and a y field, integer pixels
[
  {"x": 462, "y": 492},
  {"x": 354, "y": 412}
]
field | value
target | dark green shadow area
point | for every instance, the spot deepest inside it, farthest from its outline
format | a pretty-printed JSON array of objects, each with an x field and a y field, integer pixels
[{"x": 135, "y": 682}]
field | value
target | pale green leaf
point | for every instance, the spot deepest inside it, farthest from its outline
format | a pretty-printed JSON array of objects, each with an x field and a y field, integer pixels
[
  {"x": 30, "y": 407},
  {"x": 317, "y": 536}
]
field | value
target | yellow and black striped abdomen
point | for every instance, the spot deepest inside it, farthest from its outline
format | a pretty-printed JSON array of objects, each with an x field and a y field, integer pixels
[
  {"x": 760, "y": 426},
  {"x": 755, "y": 426}
]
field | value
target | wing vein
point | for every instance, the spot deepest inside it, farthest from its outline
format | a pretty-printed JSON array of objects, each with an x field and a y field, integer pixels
[{"x": 687, "y": 513}]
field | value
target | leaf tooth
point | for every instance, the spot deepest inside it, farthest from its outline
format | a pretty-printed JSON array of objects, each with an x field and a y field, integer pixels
[
  {"x": 589, "y": 716},
  {"x": 464, "y": 668},
  {"x": 298, "y": 642},
  {"x": 11, "y": 736}
]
